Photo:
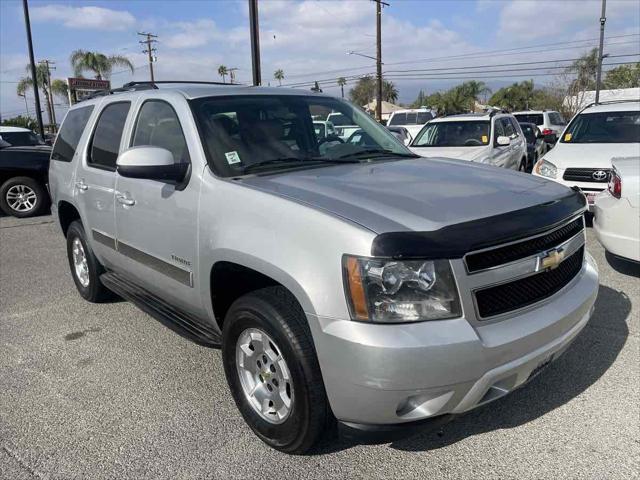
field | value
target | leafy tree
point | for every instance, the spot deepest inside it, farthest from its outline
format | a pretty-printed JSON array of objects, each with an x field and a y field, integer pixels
[
  {"x": 97, "y": 63},
  {"x": 364, "y": 91},
  {"x": 342, "y": 82},
  {"x": 518, "y": 96},
  {"x": 21, "y": 121},
  {"x": 279, "y": 75},
  {"x": 223, "y": 72},
  {"x": 624, "y": 76},
  {"x": 459, "y": 99}
]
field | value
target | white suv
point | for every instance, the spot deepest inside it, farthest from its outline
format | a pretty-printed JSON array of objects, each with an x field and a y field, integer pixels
[
  {"x": 493, "y": 138},
  {"x": 582, "y": 156},
  {"x": 548, "y": 121}
]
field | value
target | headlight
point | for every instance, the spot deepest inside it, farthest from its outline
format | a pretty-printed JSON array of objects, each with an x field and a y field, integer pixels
[
  {"x": 391, "y": 291},
  {"x": 546, "y": 169}
]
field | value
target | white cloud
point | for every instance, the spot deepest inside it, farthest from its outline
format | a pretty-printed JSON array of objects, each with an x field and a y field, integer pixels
[
  {"x": 88, "y": 18},
  {"x": 528, "y": 20}
]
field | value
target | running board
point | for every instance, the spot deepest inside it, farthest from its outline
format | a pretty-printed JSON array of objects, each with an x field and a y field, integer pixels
[{"x": 184, "y": 324}]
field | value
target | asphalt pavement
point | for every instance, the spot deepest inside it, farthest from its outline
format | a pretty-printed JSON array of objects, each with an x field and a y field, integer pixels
[{"x": 105, "y": 391}]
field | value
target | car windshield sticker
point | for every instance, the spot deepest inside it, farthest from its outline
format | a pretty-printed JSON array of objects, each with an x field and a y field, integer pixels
[
  {"x": 485, "y": 139},
  {"x": 567, "y": 137},
  {"x": 232, "y": 157}
]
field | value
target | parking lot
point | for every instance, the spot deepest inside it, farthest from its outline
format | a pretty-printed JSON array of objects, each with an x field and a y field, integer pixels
[{"x": 105, "y": 391}]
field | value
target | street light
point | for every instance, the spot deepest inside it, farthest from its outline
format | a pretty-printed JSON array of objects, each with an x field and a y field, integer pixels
[{"x": 362, "y": 55}]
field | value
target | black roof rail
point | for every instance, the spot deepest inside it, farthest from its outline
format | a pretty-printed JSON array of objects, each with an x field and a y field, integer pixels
[
  {"x": 495, "y": 111},
  {"x": 609, "y": 102},
  {"x": 149, "y": 85}
]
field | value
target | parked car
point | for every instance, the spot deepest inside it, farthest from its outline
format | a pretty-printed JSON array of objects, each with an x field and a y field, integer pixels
[
  {"x": 20, "y": 137},
  {"x": 23, "y": 173},
  {"x": 493, "y": 138},
  {"x": 582, "y": 157},
  {"x": 550, "y": 123},
  {"x": 344, "y": 127},
  {"x": 536, "y": 146},
  {"x": 412, "y": 119},
  {"x": 616, "y": 219},
  {"x": 364, "y": 285},
  {"x": 402, "y": 134}
]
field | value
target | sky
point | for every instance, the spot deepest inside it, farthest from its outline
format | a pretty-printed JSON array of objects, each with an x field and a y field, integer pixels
[{"x": 310, "y": 39}]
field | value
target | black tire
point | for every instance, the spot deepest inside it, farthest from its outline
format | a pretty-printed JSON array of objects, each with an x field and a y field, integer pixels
[
  {"x": 30, "y": 185},
  {"x": 277, "y": 313},
  {"x": 95, "y": 291}
]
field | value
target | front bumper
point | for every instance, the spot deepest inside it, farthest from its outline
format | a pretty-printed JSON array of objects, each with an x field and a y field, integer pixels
[{"x": 391, "y": 374}]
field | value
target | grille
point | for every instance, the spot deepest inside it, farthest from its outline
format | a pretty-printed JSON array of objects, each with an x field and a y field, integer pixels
[
  {"x": 585, "y": 175},
  {"x": 527, "y": 291},
  {"x": 526, "y": 248}
]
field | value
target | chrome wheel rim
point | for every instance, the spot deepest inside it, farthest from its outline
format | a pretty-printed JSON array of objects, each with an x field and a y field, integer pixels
[
  {"x": 21, "y": 198},
  {"x": 264, "y": 375},
  {"x": 80, "y": 264}
]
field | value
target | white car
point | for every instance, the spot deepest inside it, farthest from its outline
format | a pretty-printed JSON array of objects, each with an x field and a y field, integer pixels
[
  {"x": 582, "y": 156},
  {"x": 343, "y": 125},
  {"x": 412, "y": 119},
  {"x": 548, "y": 121},
  {"x": 493, "y": 138},
  {"x": 617, "y": 210}
]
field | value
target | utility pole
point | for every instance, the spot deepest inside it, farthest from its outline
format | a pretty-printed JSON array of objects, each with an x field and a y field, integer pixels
[
  {"x": 379, "y": 4},
  {"x": 32, "y": 64},
  {"x": 603, "y": 19},
  {"x": 149, "y": 41},
  {"x": 52, "y": 109},
  {"x": 232, "y": 75},
  {"x": 255, "y": 42}
]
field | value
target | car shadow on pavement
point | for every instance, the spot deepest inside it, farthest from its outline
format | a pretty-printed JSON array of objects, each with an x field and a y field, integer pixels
[{"x": 586, "y": 360}]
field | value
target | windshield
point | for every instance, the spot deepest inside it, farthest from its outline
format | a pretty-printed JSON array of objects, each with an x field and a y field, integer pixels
[
  {"x": 604, "y": 127},
  {"x": 21, "y": 139},
  {"x": 454, "y": 134},
  {"x": 264, "y": 133},
  {"x": 529, "y": 131},
  {"x": 535, "y": 118}
]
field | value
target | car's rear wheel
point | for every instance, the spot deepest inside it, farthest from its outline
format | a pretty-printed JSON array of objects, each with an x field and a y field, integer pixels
[
  {"x": 272, "y": 370},
  {"x": 85, "y": 267},
  {"x": 23, "y": 197}
]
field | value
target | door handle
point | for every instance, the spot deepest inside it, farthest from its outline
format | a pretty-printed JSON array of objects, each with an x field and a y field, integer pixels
[
  {"x": 82, "y": 186},
  {"x": 124, "y": 200}
]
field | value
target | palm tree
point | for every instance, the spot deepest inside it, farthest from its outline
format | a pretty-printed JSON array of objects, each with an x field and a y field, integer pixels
[
  {"x": 389, "y": 91},
  {"x": 98, "y": 63},
  {"x": 342, "y": 82},
  {"x": 223, "y": 72},
  {"x": 42, "y": 77},
  {"x": 59, "y": 88},
  {"x": 279, "y": 75}
]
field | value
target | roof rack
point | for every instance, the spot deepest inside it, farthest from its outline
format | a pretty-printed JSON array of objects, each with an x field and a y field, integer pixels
[
  {"x": 608, "y": 102},
  {"x": 495, "y": 111},
  {"x": 148, "y": 85}
]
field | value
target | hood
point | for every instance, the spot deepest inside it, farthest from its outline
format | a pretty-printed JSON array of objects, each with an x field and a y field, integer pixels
[
  {"x": 589, "y": 155},
  {"x": 410, "y": 195},
  {"x": 461, "y": 153}
]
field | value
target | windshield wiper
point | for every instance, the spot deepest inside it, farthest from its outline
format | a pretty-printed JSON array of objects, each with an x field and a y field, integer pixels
[
  {"x": 285, "y": 161},
  {"x": 372, "y": 151}
]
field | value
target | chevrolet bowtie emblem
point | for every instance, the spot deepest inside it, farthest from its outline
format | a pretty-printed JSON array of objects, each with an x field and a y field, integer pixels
[{"x": 551, "y": 260}]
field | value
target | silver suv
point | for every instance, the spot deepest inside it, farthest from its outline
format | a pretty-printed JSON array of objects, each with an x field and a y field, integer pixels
[{"x": 362, "y": 285}]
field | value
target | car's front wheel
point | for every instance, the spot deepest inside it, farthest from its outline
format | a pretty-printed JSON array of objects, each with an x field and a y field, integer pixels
[
  {"x": 23, "y": 197},
  {"x": 272, "y": 370}
]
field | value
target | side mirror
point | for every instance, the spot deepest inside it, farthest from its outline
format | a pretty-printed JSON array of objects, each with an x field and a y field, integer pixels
[
  {"x": 503, "y": 141},
  {"x": 151, "y": 163}
]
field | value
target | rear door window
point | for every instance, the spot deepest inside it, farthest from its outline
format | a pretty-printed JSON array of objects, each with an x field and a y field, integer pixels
[
  {"x": 70, "y": 133},
  {"x": 105, "y": 144},
  {"x": 398, "y": 119}
]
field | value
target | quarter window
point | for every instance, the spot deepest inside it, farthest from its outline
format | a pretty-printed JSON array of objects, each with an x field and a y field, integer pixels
[
  {"x": 105, "y": 145},
  {"x": 158, "y": 126},
  {"x": 70, "y": 133}
]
